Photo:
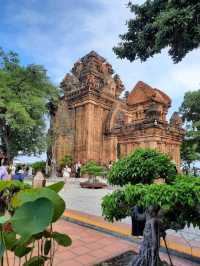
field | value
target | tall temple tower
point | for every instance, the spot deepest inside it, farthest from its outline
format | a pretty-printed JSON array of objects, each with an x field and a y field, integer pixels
[{"x": 91, "y": 122}]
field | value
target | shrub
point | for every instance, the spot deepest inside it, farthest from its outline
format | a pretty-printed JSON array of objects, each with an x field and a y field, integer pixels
[
  {"x": 92, "y": 169},
  {"x": 172, "y": 204},
  {"x": 66, "y": 160},
  {"x": 142, "y": 166},
  {"x": 180, "y": 201},
  {"x": 39, "y": 166}
]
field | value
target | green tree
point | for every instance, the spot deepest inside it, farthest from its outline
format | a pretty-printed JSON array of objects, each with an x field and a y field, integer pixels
[
  {"x": 178, "y": 200},
  {"x": 24, "y": 95},
  {"x": 39, "y": 166},
  {"x": 189, "y": 154},
  {"x": 159, "y": 24},
  {"x": 66, "y": 160},
  {"x": 171, "y": 204},
  {"x": 142, "y": 166},
  {"x": 190, "y": 110},
  {"x": 93, "y": 170}
]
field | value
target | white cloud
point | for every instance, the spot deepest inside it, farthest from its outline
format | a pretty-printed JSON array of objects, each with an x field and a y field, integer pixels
[
  {"x": 59, "y": 34},
  {"x": 187, "y": 76}
]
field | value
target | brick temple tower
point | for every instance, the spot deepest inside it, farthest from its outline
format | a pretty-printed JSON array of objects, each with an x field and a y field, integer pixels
[{"x": 91, "y": 122}]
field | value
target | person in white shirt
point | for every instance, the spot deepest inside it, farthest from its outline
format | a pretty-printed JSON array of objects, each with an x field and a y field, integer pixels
[
  {"x": 110, "y": 165},
  {"x": 66, "y": 173}
]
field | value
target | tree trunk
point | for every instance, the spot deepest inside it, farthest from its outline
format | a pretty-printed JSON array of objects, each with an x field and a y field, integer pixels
[
  {"x": 149, "y": 250},
  {"x": 7, "y": 149}
]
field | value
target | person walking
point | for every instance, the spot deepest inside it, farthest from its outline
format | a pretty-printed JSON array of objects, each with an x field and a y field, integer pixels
[
  {"x": 78, "y": 169},
  {"x": 110, "y": 165},
  {"x": 3, "y": 172},
  {"x": 19, "y": 174},
  {"x": 66, "y": 173}
]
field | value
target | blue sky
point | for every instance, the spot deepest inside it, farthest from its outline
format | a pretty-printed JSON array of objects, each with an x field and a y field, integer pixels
[{"x": 56, "y": 33}]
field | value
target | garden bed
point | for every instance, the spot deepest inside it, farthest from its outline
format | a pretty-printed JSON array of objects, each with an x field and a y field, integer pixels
[
  {"x": 121, "y": 260},
  {"x": 90, "y": 185}
]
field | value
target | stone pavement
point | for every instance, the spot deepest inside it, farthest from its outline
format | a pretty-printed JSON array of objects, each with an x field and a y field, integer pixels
[
  {"x": 189, "y": 248},
  {"x": 90, "y": 247},
  {"x": 89, "y": 201}
]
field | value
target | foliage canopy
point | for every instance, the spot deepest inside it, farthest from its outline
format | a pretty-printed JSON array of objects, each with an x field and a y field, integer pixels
[
  {"x": 39, "y": 166},
  {"x": 137, "y": 173},
  {"x": 189, "y": 153},
  {"x": 182, "y": 197},
  {"x": 190, "y": 110},
  {"x": 142, "y": 166},
  {"x": 160, "y": 24},
  {"x": 92, "y": 169},
  {"x": 24, "y": 94},
  {"x": 66, "y": 160}
]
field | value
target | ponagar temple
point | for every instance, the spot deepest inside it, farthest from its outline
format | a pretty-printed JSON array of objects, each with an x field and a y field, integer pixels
[{"x": 92, "y": 122}]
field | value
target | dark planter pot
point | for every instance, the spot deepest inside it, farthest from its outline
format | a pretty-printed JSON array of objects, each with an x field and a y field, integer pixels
[{"x": 92, "y": 185}]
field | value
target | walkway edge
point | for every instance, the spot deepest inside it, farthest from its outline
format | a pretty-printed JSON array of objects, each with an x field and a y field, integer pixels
[{"x": 92, "y": 222}]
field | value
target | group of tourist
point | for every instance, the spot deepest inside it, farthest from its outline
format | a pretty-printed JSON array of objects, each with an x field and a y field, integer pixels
[
  {"x": 67, "y": 171},
  {"x": 12, "y": 172}
]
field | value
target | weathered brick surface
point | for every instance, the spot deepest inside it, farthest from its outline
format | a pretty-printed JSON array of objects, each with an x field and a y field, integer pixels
[{"x": 93, "y": 123}]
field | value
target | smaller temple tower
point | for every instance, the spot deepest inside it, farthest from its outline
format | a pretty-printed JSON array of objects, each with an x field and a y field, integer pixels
[{"x": 92, "y": 122}]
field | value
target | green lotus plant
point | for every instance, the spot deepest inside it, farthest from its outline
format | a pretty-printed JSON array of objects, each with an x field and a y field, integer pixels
[{"x": 26, "y": 233}]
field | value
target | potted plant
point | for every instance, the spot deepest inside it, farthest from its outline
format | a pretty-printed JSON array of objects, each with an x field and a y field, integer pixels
[{"x": 93, "y": 170}]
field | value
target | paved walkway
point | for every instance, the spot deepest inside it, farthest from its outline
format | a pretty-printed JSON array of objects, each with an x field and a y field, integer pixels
[
  {"x": 174, "y": 241},
  {"x": 90, "y": 247},
  {"x": 89, "y": 201}
]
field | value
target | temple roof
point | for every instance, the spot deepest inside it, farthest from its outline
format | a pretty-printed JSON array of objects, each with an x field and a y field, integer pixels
[
  {"x": 142, "y": 92},
  {"x": 93, "y": 54},
  {"x": 92, "y": 63}
]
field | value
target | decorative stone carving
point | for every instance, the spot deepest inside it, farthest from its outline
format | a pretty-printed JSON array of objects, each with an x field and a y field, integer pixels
[
  {"x": 119, "y": 119},
  {"x": 119, "y": 85},
  {"x": 91, "y": 82},
  {"x": 70, "y": 84},
  {"x": 76, "y": 70},
  {"x": 93, "y": 120},
  {"x": 176, "y": 120},
  {"x": 153, "y": 113}
]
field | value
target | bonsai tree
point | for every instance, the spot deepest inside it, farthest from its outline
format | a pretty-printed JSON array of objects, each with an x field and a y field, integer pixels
[
  {"x": 66, "y": 160},
  {"x": 93, "y": 170},
  {"x": 142, "y": 166},
  {"x": 173, "y": 203}
]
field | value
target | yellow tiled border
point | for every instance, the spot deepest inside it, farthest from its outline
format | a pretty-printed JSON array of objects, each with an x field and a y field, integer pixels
[
  {"x": 92, "y": 221},
  {"x": 122, "y": 230}
]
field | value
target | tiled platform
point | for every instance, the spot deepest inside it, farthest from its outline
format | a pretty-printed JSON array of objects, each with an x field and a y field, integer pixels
[
  {"x": 174, "y": 242},
  {"x": 90, "y": 247}
]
